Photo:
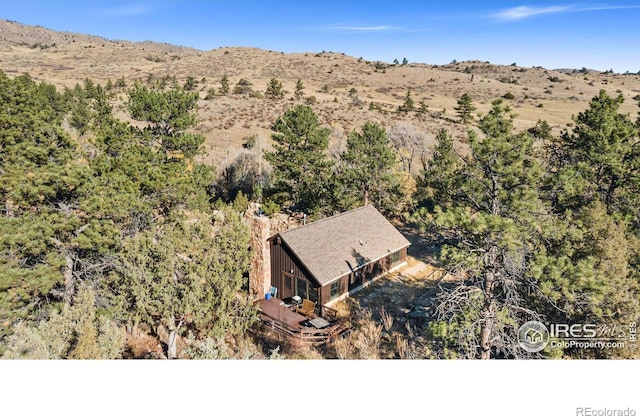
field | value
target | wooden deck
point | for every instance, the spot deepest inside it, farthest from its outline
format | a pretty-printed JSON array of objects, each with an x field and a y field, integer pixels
[
  {"x": 283, "y": 320},
  {"x": 272, "y": 309}
]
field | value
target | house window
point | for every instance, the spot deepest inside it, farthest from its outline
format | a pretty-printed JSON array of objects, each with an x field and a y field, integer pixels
[
  {"x": 305, "y": 290},
  {"x": 287, "y": 281},
  {"x": 335, "y": 289},
  {"x": 301, "y": 288},
  {"x": 395, "y": 257}
]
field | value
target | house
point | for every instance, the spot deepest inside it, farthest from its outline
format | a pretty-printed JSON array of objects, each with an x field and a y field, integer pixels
[{"x": 326, "y": 260}]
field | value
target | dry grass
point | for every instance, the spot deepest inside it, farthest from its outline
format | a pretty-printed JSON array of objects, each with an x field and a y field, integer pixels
[
  {"x": 386, "y": 318},
  {"x": 363, "y": 342},
  {"x": 225, "y": 121}
]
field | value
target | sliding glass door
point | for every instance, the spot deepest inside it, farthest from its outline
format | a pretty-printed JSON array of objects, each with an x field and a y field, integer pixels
[{"x": 305, "y": 290}]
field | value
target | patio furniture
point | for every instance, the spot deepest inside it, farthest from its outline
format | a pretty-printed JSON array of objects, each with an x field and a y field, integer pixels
[
  {"x": 307, "y": 308},
  {"x": 319, "y": 323}
]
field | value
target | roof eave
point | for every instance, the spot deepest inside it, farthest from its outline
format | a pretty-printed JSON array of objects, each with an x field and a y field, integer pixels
[{"x": 360, "y": 267}]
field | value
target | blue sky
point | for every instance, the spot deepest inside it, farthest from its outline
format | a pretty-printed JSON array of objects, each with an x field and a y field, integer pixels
[{"x": 556, "y": 34}]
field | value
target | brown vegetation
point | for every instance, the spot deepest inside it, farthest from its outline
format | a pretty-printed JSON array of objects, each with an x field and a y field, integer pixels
[
  {"x": 65, "y": 59},
  {"x": 345, "y": 93}
]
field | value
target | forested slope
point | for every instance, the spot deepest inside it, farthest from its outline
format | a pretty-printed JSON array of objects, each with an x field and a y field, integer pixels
[
  {"x": 107, "y": 225},
  {"x": 111, "y": 223}
]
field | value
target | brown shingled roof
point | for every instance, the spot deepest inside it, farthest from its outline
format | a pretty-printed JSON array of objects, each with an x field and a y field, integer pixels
[{"x": 335, "y": 246}]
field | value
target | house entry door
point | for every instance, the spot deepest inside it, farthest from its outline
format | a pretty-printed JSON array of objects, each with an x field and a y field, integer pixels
[{"x": 286, "y": 286}]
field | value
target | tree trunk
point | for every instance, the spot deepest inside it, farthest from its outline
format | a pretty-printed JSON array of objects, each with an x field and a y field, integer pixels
[
  {"x": 487, "y": 326},
  {"x": 171, "y": 345},
  {"x": 69, "y": 283},
  {"x": 613, "y": 185},
  {"x": 488, "y": 308}
]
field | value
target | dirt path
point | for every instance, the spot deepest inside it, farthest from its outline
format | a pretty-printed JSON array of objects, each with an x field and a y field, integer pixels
[{"x": 416, "y": 269}]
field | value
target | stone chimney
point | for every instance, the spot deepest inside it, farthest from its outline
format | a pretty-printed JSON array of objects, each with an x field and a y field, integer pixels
[{"x": 260, "y": 268}]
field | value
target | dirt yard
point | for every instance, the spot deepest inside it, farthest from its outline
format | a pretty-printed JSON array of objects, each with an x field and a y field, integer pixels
[
  {"x": 397, "y": 291},
  {"x": 402, "y": 296}
]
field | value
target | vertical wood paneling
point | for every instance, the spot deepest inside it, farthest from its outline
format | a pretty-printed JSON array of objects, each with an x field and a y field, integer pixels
[{"x": 282, "y": 260}]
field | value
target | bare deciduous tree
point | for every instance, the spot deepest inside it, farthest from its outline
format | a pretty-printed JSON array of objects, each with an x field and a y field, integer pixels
[{"x": 409, "y": 143}]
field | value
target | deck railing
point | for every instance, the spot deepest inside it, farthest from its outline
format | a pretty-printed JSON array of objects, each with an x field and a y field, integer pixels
[
  {"x": 308, "y": 335},
  {"x": 330, "y": 313}
]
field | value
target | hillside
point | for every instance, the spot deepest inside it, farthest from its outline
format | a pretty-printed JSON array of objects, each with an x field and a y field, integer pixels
[
  {"x": 132, "y": 237},
  {"x": 65, "y": 59}
]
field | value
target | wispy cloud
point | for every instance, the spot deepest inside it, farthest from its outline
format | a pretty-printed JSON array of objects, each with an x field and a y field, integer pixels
[
  {"x": 606, "y": 7},
  {"x": 524, "y": 12}
]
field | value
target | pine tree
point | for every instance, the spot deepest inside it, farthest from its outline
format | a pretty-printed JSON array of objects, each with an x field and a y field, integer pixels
[
  {"x": 167, "y": 112},
  {"x": 465, "y": 108},
  {"x": 407, "y": 105},
  {"x": 541, "y": 131},
  {"x": 369, "y": 172},
  {"x": 437, "y": 184},
  {"x": 298, "y": 93},
  {"x": 190, "y": 83},
  {"x": 69, "y": 214},
  {"x": 588, "y": 270},
  {"x": 274, "y": 89},
  {"x": 224, "y": 85},
  {"x": 145, "y": 173},
  {"x": 587, "y": 273},
  {"x": 80, "y": 113},
  {"x": 491, "y": 232},
  {"x": 302, "y": 172},
  {"x": 42, "y": 231},
  {"x": 599, "y": 159}
]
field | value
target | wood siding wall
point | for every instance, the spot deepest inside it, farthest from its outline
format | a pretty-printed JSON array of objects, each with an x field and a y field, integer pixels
[
  {"x": 369, "y": 272},
  {"x": 283, "y": 262}
]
